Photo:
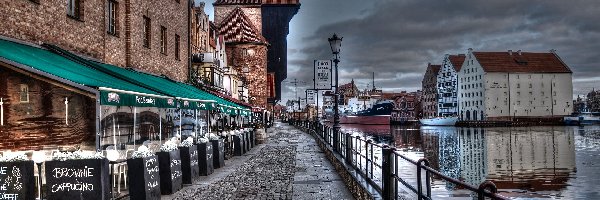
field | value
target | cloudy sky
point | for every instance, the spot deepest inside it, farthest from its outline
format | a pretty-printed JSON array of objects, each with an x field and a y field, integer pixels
[{"x": 397, "y": 38}]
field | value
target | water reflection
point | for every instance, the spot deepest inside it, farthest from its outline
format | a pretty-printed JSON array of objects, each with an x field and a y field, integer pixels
[{"x": 523, "y": 162}]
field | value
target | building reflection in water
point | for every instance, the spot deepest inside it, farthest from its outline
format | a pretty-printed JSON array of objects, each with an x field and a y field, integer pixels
[{"x": 515, "y": 159}]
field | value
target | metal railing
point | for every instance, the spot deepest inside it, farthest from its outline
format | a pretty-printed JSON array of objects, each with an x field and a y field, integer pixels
[{"x": 380, "y": 165}]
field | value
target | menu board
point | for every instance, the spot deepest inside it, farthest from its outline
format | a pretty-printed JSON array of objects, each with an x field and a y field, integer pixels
[
  {"x": 17, "y": 180},
  {"x": 77, "y": 179}
]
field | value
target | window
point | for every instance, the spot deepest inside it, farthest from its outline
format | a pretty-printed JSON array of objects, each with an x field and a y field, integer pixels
[
  {"x": 163, "y": 40},
  {"x": 113, "y": 10},
  {"x": 530, "y": 85},
  {"x": 74, "y": 8},
  {"x": 177, "y": 47},
  {"x": 518, "y": 85},
  {"x": 147, "y": 32},
  {"x": 24, "y": 93}
]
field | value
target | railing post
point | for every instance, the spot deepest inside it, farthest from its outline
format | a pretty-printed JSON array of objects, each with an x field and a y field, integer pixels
[
  {"x": 419, "y": 180},
  {"x": 367, "y": 144},
  {"x": 348, "y": 148},
  {"x": 386, "y": 173},
  {"x": 486, "y": 185}
]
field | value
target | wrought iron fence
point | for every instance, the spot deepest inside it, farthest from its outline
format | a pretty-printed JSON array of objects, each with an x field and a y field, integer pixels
[{"x": 380, "y": 165}]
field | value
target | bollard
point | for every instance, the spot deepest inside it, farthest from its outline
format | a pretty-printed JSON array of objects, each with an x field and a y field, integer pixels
[
  {"x": 486, "y": 185},
  {"x": 386, "y": 169},
  {"x": 348, "y": 149}
]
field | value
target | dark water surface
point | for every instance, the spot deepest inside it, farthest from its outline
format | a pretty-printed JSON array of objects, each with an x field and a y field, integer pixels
[{"x": 560, "y": 162}]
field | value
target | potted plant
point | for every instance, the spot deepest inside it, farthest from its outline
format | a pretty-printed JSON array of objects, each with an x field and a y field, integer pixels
[
  {"x": 205, "y": 156},
  {"x": 189, "y": 161},
  {"x": 169, "y": 166},
  {"x": 17, "y": 179},
  {"x": 218, "y": 147},
  {"x": 144, "y": 177},
  {"x": 74, "y": 175}
]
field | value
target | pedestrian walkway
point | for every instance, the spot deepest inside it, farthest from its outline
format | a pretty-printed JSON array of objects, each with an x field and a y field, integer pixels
[{"x": 289, "y": 165}]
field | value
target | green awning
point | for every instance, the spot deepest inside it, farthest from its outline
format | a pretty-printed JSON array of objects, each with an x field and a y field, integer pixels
[{"x": 46, "y": 63}]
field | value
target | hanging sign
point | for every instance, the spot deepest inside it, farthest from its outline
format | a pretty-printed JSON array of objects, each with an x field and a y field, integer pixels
[
  {"x": 311, "y": 97},
  {"x": 323, "y": 74}
]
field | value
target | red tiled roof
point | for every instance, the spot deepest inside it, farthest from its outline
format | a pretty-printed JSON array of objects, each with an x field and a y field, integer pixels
[
  {"x": 236, "y": 2},
  {"x": 434, "y": 68},
  {"x": 521, "y": 62},
  {"x": 237, "y": 27},
  {"x": 457, "y": 61}
]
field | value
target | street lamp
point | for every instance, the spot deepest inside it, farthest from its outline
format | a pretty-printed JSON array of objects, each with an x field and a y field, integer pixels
[{"x": 335, "y": 43}]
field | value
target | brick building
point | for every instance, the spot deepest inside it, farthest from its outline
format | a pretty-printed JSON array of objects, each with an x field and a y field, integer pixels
[
  {"x": 429, "y": 102},
  {"x": 348, "y": 91},
  {"x": 407, "y": 107},
  {"x": 41, "y": 110},
  {"x": 147, "y": 35}
]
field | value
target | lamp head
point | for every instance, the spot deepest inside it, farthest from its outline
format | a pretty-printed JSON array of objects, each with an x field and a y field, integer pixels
[{"x": 335, "y": 43}]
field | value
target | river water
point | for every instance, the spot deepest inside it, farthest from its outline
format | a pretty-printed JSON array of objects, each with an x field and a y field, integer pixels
[{"x": 549, "y": 162}]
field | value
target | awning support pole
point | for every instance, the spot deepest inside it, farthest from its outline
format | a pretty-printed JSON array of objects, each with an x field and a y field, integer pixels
[
  {"x": 66, "y": 110},
  {"x": 134, "y": 122},
  {"x": 160, "y": 126},
  {"x": 1, "y": 112}
]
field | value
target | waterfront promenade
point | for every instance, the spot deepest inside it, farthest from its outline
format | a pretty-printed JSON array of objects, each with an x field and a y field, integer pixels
[{"x": 289, "y": 165}]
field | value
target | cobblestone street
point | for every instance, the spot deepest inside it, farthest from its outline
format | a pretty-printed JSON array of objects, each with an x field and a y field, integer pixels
[{"x": 289, "y": 166}]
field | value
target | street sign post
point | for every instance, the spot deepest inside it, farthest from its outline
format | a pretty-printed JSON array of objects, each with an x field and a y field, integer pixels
[{"x": 323, "y": 74}]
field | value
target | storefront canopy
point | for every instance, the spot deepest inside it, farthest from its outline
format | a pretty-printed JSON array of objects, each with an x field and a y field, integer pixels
[{"x": 45, "y": 63}]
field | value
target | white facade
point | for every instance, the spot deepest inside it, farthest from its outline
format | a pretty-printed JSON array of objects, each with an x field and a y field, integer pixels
[
  {"x": 484, "y": 95},
  {"x": 447, "y": 89}
]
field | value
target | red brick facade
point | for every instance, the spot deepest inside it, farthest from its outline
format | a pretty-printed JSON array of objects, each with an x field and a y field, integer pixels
[
  {"x": 48, "y": 22},
  {"x": 429, "y": 88}
]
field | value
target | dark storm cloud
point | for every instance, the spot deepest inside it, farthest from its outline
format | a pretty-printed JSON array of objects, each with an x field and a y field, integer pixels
[{"x": 397, "y": 38}]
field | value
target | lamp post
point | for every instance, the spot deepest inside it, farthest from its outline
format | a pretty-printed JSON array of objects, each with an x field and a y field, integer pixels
[
  {"x": 38, "y": 158},
  {"x": 335, "y": 43}
]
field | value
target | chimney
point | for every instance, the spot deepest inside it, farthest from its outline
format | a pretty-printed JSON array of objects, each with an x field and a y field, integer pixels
[
  {"x": 519, "y": 52},
  {"x": 510, "y": 52}
]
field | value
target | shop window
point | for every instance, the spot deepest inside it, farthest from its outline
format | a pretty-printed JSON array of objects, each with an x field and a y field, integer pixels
[{"x": 24, "y": 93}]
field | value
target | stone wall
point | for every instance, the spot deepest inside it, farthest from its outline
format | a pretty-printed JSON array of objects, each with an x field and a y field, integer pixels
[{"x": 40, "y": 122}]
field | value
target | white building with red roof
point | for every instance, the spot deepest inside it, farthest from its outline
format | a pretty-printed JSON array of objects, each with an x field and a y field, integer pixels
[{"x": 508, "y": 85}]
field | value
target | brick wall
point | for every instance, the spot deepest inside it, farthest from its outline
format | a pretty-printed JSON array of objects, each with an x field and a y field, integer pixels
[
  {"x": 40, "y": 122},
  {"x": 258, "y": 70},
  {"x": 252, "y": 11},
  {"x": 48, "y": 22}
]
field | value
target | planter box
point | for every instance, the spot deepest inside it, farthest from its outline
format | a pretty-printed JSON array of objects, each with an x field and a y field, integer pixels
[
  {"x": 248, "y": 141},
  {"x": 238, "y": 145},
  {"x": 218, "y": 153},
  {"x": 77, "y": 179},
  {"x": 205, "y": 158},
  {"x": 144, "y": 178},
  {"x": 17, "y": 180},
  {"x": 169, "y": 165},
  {"x": 189, "y": 164}
]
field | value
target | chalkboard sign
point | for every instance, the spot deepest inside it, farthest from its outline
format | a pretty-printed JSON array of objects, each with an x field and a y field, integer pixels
[
  {"x": 218, "y": 153},
  {"x": 144, "y": 184},
  {"x": 169, "y": 165},
  {"x": 238, "y": 145},
  {"x": 189, "y": 164},
  {"x": 17, "y": 180},
  {"x": 77, "y": 179},
  {"x": 205, "y": 158}
]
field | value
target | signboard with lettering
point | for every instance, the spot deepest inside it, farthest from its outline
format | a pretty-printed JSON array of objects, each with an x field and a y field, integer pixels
[
  {"x": 189, "y": 164},
  {"x": 205, "y": 158},
  {"x": 169, "y": 165},
  {"x": 77, "y": 179},
  {"x": 17, "y": 180},
  {"x": 218, "y": 153},
  {"x": 144, "y": 184},
  {"x": 311, "y": 96},
  {"x": 323, "y": 74}
]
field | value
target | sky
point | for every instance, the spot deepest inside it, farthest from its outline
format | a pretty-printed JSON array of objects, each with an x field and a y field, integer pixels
[{"x": 397, "y": 38}]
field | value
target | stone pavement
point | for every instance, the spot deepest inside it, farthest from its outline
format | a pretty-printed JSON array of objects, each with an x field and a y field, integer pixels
[{"x": 289, "y": 165}]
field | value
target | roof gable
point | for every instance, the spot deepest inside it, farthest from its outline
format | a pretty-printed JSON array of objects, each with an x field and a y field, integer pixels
[
  {"x": 457, "y": 61},
  {"x": 237, "y": 27},
  {"x": 238, "y": 2},
  {"x": 526, "y": 62}
]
